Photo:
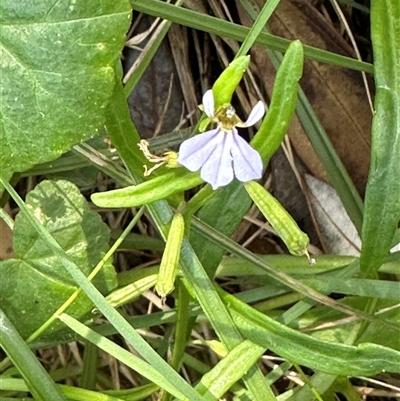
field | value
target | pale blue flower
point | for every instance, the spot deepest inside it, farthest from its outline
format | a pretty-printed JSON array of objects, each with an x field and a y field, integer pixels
[{"x": 221, "y": 154}]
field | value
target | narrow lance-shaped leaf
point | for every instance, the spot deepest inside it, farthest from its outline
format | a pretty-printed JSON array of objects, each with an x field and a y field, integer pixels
[
  {"x": 382, "y": 198},
  {"x": 339, "y": 359}
]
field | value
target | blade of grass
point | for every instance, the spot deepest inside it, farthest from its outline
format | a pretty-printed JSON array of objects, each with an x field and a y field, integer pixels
[
  {"x": 122, "y": 355},
  {"x": 222, "y": 28},
  {"x": 182, "y": 330},
  {"x": 88, "y": 377},
  {"x": 36, "y": 378},
  {"x": 362, "y": 287},
  {"x": 72, "y": 393},
  {"x": 258, "y": 26},
  {"x": 137, "y": 322}
]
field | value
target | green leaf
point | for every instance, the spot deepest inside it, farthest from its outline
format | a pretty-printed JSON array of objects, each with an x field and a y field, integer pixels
[
  {"x": 382, "y": 198},
  {"x": 362, "y": 287},
  {"x": 258, "y": 26},
  {"x": 37, "y": 379},
  {"x": 225, "y": 211},
  {"x": 320, "y": 315},
  {"x": 57, "y": 75},
  {"x": 233, "y": 266},
  {"x": 329, "y": 357},
  {"x": 72, "y": 393},
  {"x": 35, "y": 284}
]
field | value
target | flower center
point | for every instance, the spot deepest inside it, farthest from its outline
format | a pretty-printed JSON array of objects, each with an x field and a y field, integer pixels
[{"x": 227, "y": 118}]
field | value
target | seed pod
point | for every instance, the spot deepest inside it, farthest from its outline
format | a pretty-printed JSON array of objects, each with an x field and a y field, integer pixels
[
  {"x": 283, "y": 223},
  {"x": 170, "y": 259},
  {"x": 132, "y": 291},
  {"x": 150, "y": 191},
  {"x": 283, "y": 103}
]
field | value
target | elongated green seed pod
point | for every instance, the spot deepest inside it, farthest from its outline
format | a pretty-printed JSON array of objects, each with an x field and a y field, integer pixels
[
  {"x": 150, "y": 191},
  {"x": 283, "y": 103},
  {"x": 283, "y": 223},
  {"x": 132, "y": 291},
  {"x": 170, "y": 259}
]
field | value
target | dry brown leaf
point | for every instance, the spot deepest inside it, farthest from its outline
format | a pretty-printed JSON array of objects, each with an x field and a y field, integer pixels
[{"x": 336, "y": 94}]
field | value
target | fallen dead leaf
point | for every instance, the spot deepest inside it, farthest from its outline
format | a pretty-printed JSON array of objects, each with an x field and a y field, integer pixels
[{"x": 338, "y": 231}]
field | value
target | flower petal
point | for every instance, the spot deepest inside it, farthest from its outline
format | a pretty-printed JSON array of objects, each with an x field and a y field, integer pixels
[
  {"x": 255, "y": 115},
  {"x": 196, "y": 150},
  {"x": 247, "y": 163},
  {"x": 217, "y": 170},
  {"x": 208, "y": 103}
]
